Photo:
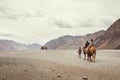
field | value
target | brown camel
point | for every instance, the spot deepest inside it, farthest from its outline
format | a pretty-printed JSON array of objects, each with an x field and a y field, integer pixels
[{"x": 90, "y": 52}]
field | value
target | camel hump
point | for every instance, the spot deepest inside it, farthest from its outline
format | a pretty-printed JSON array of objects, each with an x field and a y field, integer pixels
[{"x": 93, "y": 48}]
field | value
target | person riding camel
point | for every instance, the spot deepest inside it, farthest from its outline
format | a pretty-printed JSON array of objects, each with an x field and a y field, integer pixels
[
  {"x": 87, "y": 44},
  {"x": 90, "y": 50},
  {"x": 91, "y": 43}
]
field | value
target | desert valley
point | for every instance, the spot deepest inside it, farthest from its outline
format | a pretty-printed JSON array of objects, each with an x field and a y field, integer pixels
[
  {"x": 60, "y": 62},
  {"x": 59, "y": 39}
]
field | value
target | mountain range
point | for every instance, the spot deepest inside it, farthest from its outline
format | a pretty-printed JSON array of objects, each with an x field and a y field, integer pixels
[
  {"x": 12, "y": 45},
  {"x": 72, "y": 42},
  {"x": 109, "y": 39}
]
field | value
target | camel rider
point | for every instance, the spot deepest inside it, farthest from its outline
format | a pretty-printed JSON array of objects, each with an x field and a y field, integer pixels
[
  {"x": 91, "y": 43},
  {"x": 87, "y": 44}
]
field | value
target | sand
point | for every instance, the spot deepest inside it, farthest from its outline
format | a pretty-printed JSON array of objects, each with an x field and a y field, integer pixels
[{"x": 58, "y": 65}]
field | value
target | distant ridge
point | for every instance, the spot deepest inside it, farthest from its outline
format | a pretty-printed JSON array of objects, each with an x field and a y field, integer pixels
[{"x": 12, "y": 45}]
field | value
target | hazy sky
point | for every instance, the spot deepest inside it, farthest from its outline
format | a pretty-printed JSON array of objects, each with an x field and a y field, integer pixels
[{"x": 29, "y": 21}]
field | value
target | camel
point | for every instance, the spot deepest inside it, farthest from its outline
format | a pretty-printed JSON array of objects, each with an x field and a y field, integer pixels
[
  {"x": 91, "y": 52},
  {"x": 44, "y": 48}
]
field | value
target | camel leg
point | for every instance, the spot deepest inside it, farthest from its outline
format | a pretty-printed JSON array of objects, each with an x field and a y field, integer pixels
[
  {"x": 94, "y": 55},
  {"x": 87, "y": 57},
  {"x": 90, "y": 59}
]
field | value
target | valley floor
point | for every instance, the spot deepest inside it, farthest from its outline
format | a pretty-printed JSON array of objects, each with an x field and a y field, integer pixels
[{"x": 58, "y": 65}]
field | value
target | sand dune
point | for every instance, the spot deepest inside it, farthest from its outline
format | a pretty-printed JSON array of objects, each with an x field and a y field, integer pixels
[{"x": 58, "y": 65}]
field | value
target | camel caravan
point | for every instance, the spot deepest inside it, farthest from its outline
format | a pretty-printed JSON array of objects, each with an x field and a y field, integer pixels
[
  {"x": 89, "y": 51},
  {"x": 44, "y": 47}
]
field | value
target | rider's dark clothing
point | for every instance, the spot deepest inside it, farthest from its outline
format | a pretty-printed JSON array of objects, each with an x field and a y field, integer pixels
[{"x": 87, "y": 44}]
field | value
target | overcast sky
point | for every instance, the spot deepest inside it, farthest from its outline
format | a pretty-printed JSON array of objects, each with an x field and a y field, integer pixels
[{"x": 38, "y": 21}]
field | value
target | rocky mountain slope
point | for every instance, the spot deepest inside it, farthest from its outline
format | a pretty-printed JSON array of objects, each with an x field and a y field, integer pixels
[
  {"x": 72, "y": 42},
  {"x": 111, "y": 38}
]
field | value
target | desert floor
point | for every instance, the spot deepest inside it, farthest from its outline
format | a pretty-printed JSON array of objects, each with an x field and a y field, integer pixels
[{"x": 58, "y": 65}]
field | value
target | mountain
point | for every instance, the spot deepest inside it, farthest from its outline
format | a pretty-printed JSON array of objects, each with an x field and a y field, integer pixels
[
  {"x": 63, "y": 42},
  {"x": 111, "y": 38},
  {"x": 12, "y": 45},
  {"x": 34, "y": 46},
  {"x": 72, "y": 42}
]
